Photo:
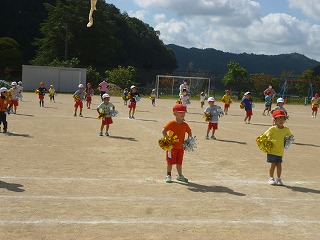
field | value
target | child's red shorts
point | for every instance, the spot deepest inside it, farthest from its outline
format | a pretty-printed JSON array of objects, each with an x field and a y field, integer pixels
[
  {"x": 226, "y": 105},
  {"x": 132, "y": 105},
  {"x": 88, "y": 98},
  {"x": 78, "y": 104},
  {"x": 249, "y": 113},
  {"x": 14, "y": 102},
  {"x": 106, "y": 121},
  {"x": 174, "y": 156},
  {"x": 212, "y": 125},
  {"x": 41, "y": 97}
]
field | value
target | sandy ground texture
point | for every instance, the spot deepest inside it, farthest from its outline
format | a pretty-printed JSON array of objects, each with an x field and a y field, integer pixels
[{"x": 60, "y": 180}]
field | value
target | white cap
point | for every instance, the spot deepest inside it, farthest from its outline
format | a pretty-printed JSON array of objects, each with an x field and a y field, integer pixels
[
  {"x": 19, "y": 82},
  {"x": 211, "y": 99},
  {"x": 3, "y": 89},
  {"x": 247, "y": 93},
  {"x": 133, "y": 86},
  {"x": 280, "y": 100},
  {"x": 14, "y": 84},
  {"x": 105, "y": 96},
  {"x": 80, "y": 85}
]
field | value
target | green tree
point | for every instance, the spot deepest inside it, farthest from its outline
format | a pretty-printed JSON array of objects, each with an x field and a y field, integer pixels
[
  {"x": 10, "y": 58},
  {"x": 93, "y": 76},
  {"x": 236, "y": 77},
  {"x": 261, "y": 81},
  {"x": 122, "y": 76},
  {"x": 74, "y": 62},
  {"x": 305, "y": 81}
]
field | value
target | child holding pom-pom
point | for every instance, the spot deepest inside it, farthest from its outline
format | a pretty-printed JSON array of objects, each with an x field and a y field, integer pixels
[
  {"x": 107, "y": 109},
  {"x": 280, "y": 136},
  {"x": 177, "y": 128},
  {"x": 212, "y": 114}
]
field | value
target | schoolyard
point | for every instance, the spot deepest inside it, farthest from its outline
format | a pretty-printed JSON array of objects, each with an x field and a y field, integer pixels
[{"x": 60, "y": 180}]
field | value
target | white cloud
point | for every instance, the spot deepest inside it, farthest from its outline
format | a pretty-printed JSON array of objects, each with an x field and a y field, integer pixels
[
  {"x": 158, "y": 18},
  {"x": 310, "y": 8},
  {"x": 140, "y": 14}
]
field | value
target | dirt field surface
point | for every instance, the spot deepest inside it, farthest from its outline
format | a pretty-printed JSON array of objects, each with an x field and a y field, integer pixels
[{"x": 60, "y": 180}]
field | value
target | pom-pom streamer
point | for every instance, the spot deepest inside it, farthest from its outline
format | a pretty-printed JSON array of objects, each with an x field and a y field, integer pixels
[
  {"x": 167, "y": 142},
  {"x": 190, "y": 144},
  {"x": 207, "y": 116},
  {"x": 287, "y": 141},
  {"x": 264, "y": 143}
]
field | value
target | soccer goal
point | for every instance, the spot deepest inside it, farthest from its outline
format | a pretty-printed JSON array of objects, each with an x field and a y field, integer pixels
[{"x": 170, "y": 85}]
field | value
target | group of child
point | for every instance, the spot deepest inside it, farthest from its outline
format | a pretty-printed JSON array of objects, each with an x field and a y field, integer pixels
[{"x": 178, "y": 126}]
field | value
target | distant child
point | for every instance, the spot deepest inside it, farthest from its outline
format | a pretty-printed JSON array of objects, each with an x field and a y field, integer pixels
[
  {"x": 79, "y": 97},
  {"x": 247, "y": 103},
  {"x": 133, "y": 96},
  {"x": 267, "y": 103},
  {"x": 89, "y": 93},
  {"x": 226, "y": 99},
  {"x": 106, "y": 108},
  {"x": 125, "y": 96},
  {"x": 20, "y": 87},
  {"x": 184, "y": 97},
  {"x": 13, "y": 95},
  {"x": 153, "y": 96},
  {"x": 279, "y": 106},
  {"x": 175, "y": 155},
  {"x": 215, "y": 112},
  {"x": 277, "y": 133},
  {"x": 314, "y": 105},
  {"x": 4, "y": 104},
  {"x": 52, "y": 92},
  {"x": 41, "y": 91},
  {"x": 203, "y": 97}
]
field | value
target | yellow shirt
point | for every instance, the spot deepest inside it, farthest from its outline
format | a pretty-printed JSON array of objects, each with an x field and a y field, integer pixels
[
  {"x": 226, "y": 99},
  {"x": 277, "y": 135}
]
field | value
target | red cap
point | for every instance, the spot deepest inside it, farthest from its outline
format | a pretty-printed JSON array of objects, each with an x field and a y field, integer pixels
[
  {"x": 316, "y": 95},
  {"x": 179, "y": 108},
  {"x": 227, "y": 90},
  {"x": 278, "y": 113}
]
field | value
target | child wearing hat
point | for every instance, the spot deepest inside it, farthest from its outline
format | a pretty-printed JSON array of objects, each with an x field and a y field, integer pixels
[
  {"x": 226, "y": 99},
  {"x": 41, "y": 91},
  {"x": 203, "y": 97},
  {"x": 78, "y": 97},
  {"x": 89, "y": 93},
  {"x": 13, "y": 95},
  {"x": 314, "y": 105},
  {"x": 277, "y": 135},
  {"x": 4, "y": 103},
  {"x": 247, "y": 103},
  {"x": 52, "y": 92},
  {"x": 215, "y": 112},
  {"x": 153, "y": 96},
  {"x": 106, "y": 108},
  {"x": 179, "y": 128},
  {"x": 133, "y": 96}
]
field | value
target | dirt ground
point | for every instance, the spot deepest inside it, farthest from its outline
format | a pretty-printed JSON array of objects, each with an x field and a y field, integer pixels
[{"x": 60, "y": 180}]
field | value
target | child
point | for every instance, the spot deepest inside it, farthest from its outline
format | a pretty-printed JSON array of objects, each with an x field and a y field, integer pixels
[
  {"x": 20, "y": 87},
  {"x": 184, "y": 97},
  {"x": 203, "y": 97},
  {"x": 41, "y": 91},
  {"x": 125, "y": 97},
  {"x": 52, "y": 92},
  {"x": 89, "y": 93},
  {"x": 277, "y": 133},
  {"x": 13, "y": 96},
  {"x": 153, "y": 96},
  {"x": 133, "y": 96},
  {"x": 267, "y": 103},
  {"x": 175, "y": 155},
  {"x": 79, "y": 96},
  {"x": 4, "y": 103},
  {"x": 280, "y": 103},
  {"x": 105, "y": 108},
  {"x": 226, "y": 99},
  {"x": 314, "y": 105},
  {"x": 215, "y": 112},
  {"x": 247, "y": 102}
]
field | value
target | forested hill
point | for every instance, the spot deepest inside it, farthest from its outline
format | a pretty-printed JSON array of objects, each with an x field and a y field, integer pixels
[{"x": 211, "y": 60}]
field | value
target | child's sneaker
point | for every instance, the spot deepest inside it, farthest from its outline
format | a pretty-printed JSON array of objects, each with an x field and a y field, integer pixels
[
  {"x": 279, "y": 182},
  {"x": 80, "y": 115},
  {"x": 132, "y": 117},
  {"x": 107, "y": 134},
  {"x": 168, "y": 179},
  {"x": 182, "y": 179},
  {"x": 213, "y": 137},
  {"x": 207, "y": 137},
  {"x": 129, "y": 117},
  {"x": 100, "y": 134},
  {"x": 272, "y": 181},
  {"x": 73, "y": 114}
]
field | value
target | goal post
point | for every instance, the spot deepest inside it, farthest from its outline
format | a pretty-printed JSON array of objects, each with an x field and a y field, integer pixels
[{"x": 169, "y": 85}]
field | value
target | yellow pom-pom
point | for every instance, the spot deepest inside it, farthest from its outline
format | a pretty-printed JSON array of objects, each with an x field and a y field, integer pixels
[
  {"x": 207, "y": 116},
  {"x": 152, "y": 98},
  {"x": 102, "y": 115},
  {"x": 76, "y": 98},
  {"x": 264, "y": 143},
  {"x": 166, "y": 143},
  {"x": 242, "y": 105},
  {"x": 179, "y": 101},
  {"x": 37, "y": 91}
]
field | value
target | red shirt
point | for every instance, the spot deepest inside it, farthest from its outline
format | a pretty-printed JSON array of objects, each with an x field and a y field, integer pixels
[{"x": 180, "y": 130}]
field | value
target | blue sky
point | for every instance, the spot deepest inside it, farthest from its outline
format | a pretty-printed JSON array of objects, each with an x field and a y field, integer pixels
[{"x": 253, "y": 26}]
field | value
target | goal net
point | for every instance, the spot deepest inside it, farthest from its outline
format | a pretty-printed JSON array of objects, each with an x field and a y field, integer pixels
[{"x": 167, "y": 85}]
